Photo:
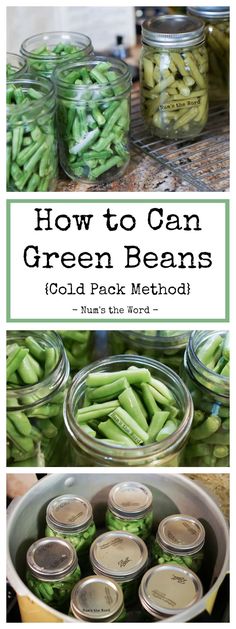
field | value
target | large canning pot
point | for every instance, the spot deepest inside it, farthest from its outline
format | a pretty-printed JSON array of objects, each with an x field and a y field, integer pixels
[{"x": 172, "y": 493}]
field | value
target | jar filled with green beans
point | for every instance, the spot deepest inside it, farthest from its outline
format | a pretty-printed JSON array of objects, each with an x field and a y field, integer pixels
[
  {"x": 15, "y": 66},
  {"x": 79, "y": 346},
  {"x": 206, "y": 374},
  {"x": 97, "y": 599},
  {"x": 31, "y": 135},
  {"x": 166, "y": 346},
  {"x": 93, "y": 118},
  {"x": 173, "y": 75},
  {"x": 52, "y": 571},
  {"x": 44, "y": 51},
  {"x": 127, "y": 410},
  {"x": 71, "y": 517},
  {"x": 218, "y": 44},
  {"x": 129, "y": 509},
  {"x": 179, "y": 539},
  {"x": 123, "y": 557},
  {"x": 37, "y": 375}
]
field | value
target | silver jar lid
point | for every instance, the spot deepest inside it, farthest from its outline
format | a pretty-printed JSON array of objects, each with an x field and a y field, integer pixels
[
  {"x": 51, "y": 559},
  {"x": 173, "y": 31},
  {"x": 69, "y": 514},
  {"x": 129, "y": 500},
  {"x": 169, "y": 589},
  {"x": 97, "y": 598},
  {"x": 180, "y": 534},
  {"x": 119, "y": 554},
  {"x": 209, "y": 12}
]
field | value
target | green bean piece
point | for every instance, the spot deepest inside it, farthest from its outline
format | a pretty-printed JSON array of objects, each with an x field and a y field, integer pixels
[
  {"x": 56, "y": 593},
  {"x": 93, "y": 126}
]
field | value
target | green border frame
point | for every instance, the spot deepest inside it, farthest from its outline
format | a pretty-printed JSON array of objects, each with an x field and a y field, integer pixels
[{"x": 101, "y": 319}]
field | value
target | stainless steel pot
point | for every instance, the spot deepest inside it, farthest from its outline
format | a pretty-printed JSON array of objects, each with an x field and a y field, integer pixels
[{"x": 171, "y": 493}]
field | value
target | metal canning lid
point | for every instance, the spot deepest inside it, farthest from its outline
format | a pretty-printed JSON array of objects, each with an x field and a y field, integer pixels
[
  {"x": 69, "y": 514},
  {"x": 97, "y": 598},
  {"x": 130, "y": 500},
  {"x": 169, "y": 589},
  {"x": 51, "y": 559},
  {"x": 181, "y": 534},
  {"x": 210, "y": 12},
  {"x": 173, "y": 31},
  {"x": 119, "y": 554}
]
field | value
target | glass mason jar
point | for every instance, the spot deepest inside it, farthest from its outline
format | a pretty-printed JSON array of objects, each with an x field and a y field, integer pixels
[
  {"x": 217, "y": 41},
  {"x": 130, "y": 509},
  {"x": 44, "y": 51},
  {"x": 179, "y": 539},
  {"x": 169, "y": 589},
  {"x": 31, "y": 135},
  {"x": 15, "y": 66},
  {"x": 166, "y": 346},
  {"x": 85, "y": 450},
  {"x": 52, "y": 571},
  {"x": 71, "y": 518},
  {"x": 121, "y": 556},
  {"x": 97, "y": 599},
  {"x": 35, "y": 431},
  {"x": 173, "y": 75},
  {"x": 79, "y": 347},
  {"x": 209, "y": 438},
  {"x": 93, "y": 117}
]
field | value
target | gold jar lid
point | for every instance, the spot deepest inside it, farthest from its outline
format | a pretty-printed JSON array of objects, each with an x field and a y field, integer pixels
[
  {"x": 129, "y": 500},
  {"x": 180, "y": 534},
  {"x": 169, "y": 589},
  {"x": 69, "y": 514},
  {"x": 51, "y": 559},
  {"x": 173, "y": 31},
  {"x": 97, "y": 598},
  {"x": 119, "y": 554}
]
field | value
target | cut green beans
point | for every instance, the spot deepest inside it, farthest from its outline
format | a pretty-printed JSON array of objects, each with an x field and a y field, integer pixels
[
  {"x": 160, "y": 557},
  {"x": 174, "y": 91},
  {"x": 129, "y": 407},
  {"x": 54, "y": 593},
  {"x": 31, "y": 135},
  {"x": 78, "y": 346},
  {"x": 206, "y": 374},
  {"x": 34, "y": 397},
  {"x": 139, "y": 526},
  {"x": 45, "y": 51},
  {"x": 166, "y": 346},
  {"x": 93, "y": 115}
]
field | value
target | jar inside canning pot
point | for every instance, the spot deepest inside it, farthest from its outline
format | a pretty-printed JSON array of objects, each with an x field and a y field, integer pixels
[
  {"x": 35, "y": 394},
  {"x": 52, "y": 571},
  {"x": 71, "y": 517},
  {"x": 208, "y": 444},
  {"x": 97, "y": 599},
  {"x": 88, "y": 450},
  {"x": 218, "y": 47},
  {"x": 168, "y": 590},
  {"x": 173, "y": 75},
  {"x": 130, "y": 509},
  {"x": 15, "y": 66},
  {"x": 31, "y": 135},
  {"x": 179, "y": 539},
  {"x": 93, "y": 117},
  {"x": 121, "y": 556},
  {"x": 44, "y": 51},
  {"x": 166, "y": 346}
]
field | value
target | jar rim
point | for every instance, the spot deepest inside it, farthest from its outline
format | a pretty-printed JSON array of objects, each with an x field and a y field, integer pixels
[
  {"x": 64, "y": 559},
  {"x": 173, "y": 31},
  {"x": 170, "y": 542},
  {"x": 17, "y": 58},
  {"x": 212, "y": 12},
  {"x": 46, "y": 37},
  {"x": 93, "y": 445},
  {"x": 69, "y": 526},
  {"x": 35, "y": 106},
  {"x": 53, "y": 381},
  {"x": 177, "y": 341},
  {"x": 130, "y": 511},
  {"x": 125, "y": 75}
]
